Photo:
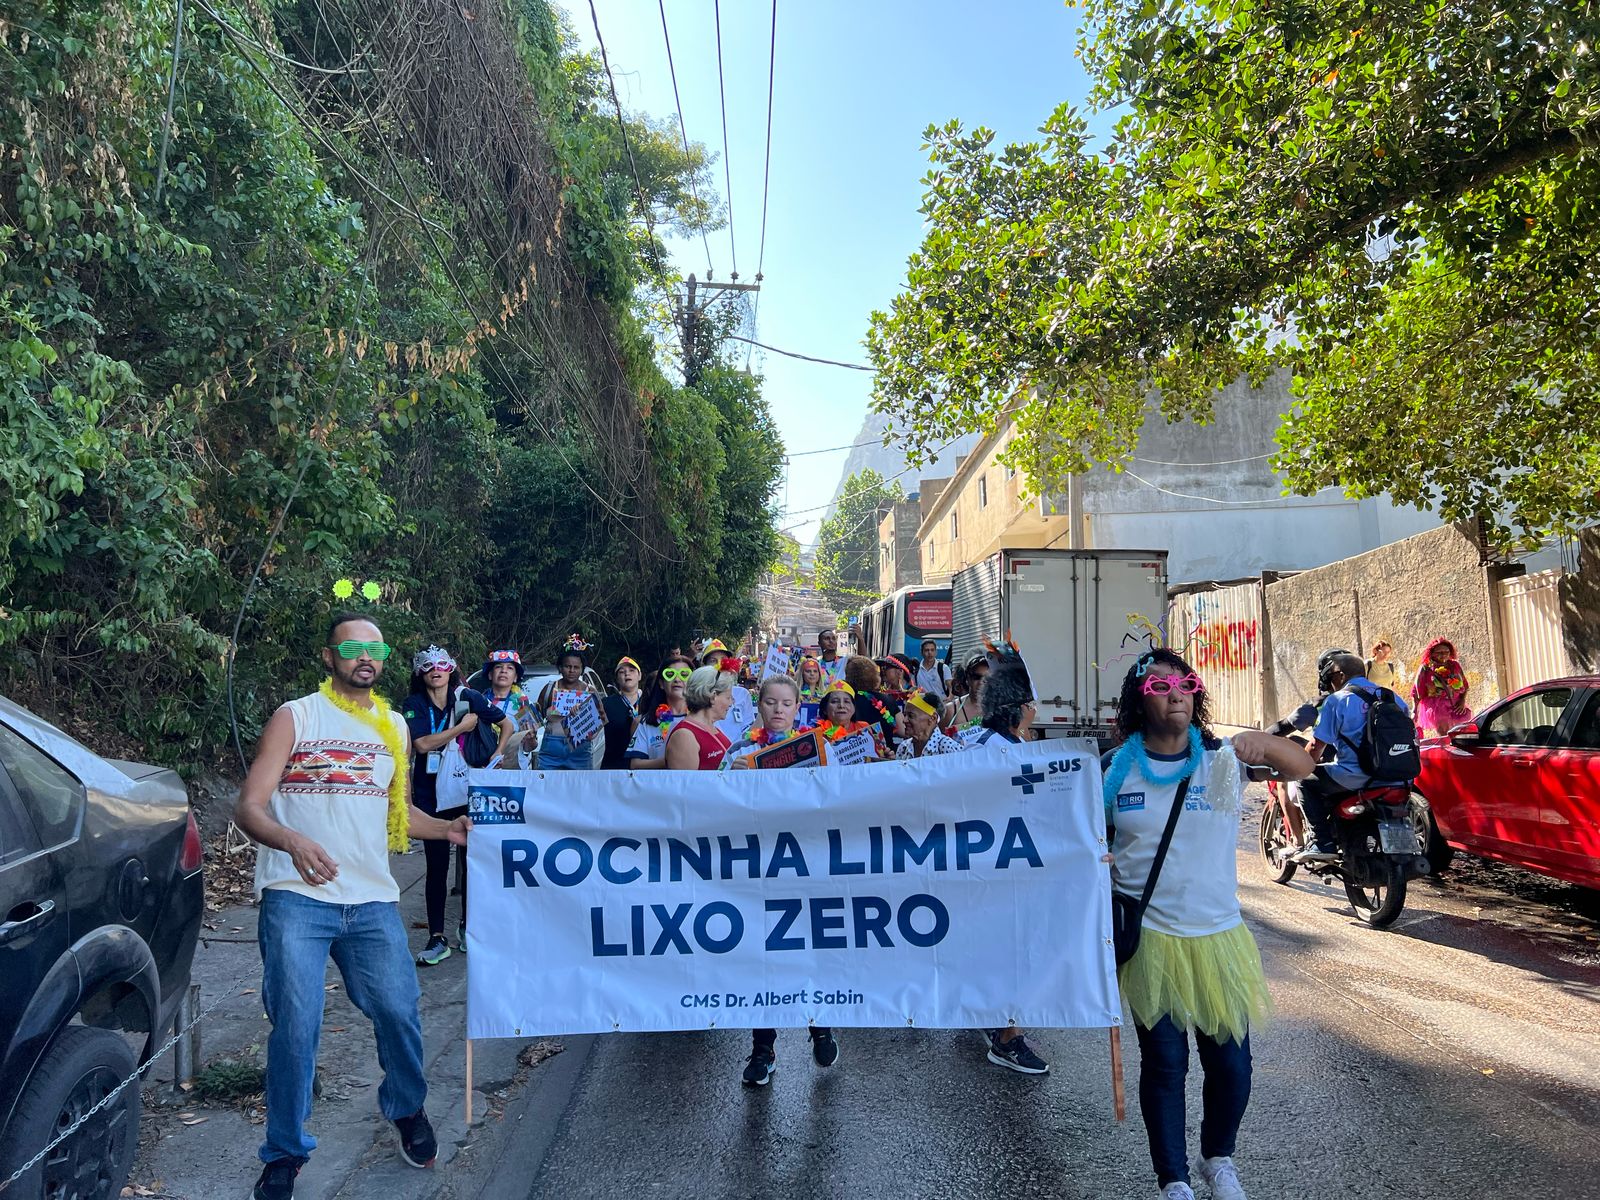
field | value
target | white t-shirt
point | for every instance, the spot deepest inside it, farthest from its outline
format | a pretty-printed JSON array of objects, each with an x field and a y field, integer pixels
[
  {"x": 648, "y": 740},
  {"x": 1198, "y": 890},
  {"x": 335, "y": 791},
  {"x": 934, "y": 679}
]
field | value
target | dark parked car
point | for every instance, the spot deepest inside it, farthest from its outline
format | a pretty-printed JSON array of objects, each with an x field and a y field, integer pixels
[
  {"x": 100, "y": 902},
  {"x": 1521, "y": 782}
]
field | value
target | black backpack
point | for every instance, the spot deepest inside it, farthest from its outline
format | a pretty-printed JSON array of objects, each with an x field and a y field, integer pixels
[{"x": 1388, "y": 749}]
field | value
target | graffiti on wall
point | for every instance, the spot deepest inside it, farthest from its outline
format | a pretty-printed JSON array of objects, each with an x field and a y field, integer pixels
[{"x": 1225, "y": 646}]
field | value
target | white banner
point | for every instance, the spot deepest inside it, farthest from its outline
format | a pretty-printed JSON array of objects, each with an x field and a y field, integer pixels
[{"x": 958, "y": 891}]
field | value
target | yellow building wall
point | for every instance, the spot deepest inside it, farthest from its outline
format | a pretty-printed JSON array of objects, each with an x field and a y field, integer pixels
[{"x": 981, "y": 528}]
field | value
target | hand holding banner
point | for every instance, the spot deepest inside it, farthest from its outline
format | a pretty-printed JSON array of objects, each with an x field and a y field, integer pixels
[
  {"x": 871, "y": 897},
  {"x": 853, "y": 750},
  {"x": 584, "y": 720}
]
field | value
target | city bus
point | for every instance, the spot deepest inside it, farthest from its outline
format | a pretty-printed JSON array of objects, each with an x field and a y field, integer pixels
[{"x": 899, "y": 623}]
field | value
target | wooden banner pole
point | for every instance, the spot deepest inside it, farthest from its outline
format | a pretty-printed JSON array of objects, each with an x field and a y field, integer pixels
[
  {"x": 1119, "y": 1096},
  {"x": 469, "y": 1082}
]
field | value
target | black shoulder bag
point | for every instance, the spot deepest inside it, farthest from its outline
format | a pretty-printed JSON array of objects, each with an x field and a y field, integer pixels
[{"x": 1127, "y": 914}]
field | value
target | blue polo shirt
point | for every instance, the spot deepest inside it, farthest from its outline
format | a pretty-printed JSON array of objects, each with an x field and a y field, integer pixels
[{"x": 1342, "y": 724}]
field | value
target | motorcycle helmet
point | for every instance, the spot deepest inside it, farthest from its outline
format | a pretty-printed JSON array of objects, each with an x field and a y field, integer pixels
[{"x": 1324, "y": 668}]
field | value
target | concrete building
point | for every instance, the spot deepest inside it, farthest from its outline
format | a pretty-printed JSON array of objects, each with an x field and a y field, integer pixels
[
  {"x": 1204, "y": 493},
  {"x": 898, "y": 564}
]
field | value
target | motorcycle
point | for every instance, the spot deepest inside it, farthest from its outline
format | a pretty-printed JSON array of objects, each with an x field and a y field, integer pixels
[{"x": 1379, "y": 847}]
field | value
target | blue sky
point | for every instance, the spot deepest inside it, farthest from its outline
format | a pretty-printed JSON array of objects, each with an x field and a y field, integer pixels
[{"x": 855, "y": 86}]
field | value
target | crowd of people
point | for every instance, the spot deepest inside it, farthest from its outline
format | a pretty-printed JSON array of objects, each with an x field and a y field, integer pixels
[{"x": 340, "y": 781}]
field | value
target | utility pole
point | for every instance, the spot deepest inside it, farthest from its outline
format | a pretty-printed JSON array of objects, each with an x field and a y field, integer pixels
[{"x": 689, "y": 314}]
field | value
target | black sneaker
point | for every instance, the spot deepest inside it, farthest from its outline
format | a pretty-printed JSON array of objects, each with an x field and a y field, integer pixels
[
  {"x": 418, "y": 1146},
  {"x": 758, "y": 1071},
  {"x": 1016, "y": 1055},
  {"x": 824, "y": 1047},
  {"x": 435, "y": 952},
  {"x": 277, "y": 1179}
]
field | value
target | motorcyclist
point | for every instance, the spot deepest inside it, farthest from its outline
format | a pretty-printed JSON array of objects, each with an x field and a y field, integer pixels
[
  {"x": 1304, "y": 717},
  {"x": 1340, "y": 726}
]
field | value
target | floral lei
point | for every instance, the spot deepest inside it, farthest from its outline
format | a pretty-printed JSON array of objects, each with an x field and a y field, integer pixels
[
  {"x": 377, "y": 719},
  {"x": 833, "y": 733},
  {"x": 765, "y": 737},
  {"x": 665, "y": 718}
]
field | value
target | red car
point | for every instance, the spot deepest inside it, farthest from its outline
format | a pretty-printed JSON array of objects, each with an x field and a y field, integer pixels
[{"x": 1521, "y": 782}]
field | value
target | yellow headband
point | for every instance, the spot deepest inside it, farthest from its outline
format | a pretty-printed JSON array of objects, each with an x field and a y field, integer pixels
[
  {"x": 627, "y": 662},
  {"x": 920, "y": 701},
  {"x": 841, "y": 686}
]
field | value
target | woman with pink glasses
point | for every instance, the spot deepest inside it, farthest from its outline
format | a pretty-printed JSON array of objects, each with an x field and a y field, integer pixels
[{"x": 1187, "y": 962}]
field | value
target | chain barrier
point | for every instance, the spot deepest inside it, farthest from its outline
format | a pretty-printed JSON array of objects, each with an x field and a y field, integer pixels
[{"x": 231, "y": 994}]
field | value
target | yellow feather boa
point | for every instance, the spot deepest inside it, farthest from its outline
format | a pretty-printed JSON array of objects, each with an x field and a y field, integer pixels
[{"x": 377, "y": 719}]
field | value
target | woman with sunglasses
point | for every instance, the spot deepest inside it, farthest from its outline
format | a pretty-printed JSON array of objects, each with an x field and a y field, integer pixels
[
  {"x": 964, "y": 713},
  {"x": 430, "y": 712},
  {"x": 1196, "y": 968},
  {"x": 662, "y": 709},
  {"x": 696, "y": 743}
]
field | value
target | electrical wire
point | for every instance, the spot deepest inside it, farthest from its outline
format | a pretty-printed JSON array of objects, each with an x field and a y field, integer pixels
[
  {"x": 766, "y": 171},
  {"x": 644, "y": 208},
  {"x": 832, "y": 449},
  {"x": 727, "y": 167},
  {"x": 827, "y": 362},
  {"x": 683, "y": 132},
  {"x": 1213, "y": 499},
  {"x": 1226, "y": 462}
]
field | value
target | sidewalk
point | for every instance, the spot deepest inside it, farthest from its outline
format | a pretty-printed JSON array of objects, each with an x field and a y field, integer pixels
[{"x": 191, "y": 1149}]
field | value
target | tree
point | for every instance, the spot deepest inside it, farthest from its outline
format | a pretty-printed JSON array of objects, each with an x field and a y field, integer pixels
[
  {"x": 846, "y": 562},
  {"x": 1394, "y": 201}
]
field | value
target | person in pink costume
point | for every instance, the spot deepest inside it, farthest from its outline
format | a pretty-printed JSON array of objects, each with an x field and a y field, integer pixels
[{"x": 1439, "y": 697}]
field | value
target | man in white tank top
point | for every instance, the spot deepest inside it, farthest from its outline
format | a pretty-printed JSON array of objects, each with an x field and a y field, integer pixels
[{"x": 318, "y": 802}]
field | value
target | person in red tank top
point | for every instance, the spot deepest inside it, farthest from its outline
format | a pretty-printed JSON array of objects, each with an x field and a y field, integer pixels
[{"x": 696, "y": 744}]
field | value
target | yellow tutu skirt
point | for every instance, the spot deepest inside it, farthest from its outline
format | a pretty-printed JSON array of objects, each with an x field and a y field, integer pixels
[{"x": 1213, "y": 983}]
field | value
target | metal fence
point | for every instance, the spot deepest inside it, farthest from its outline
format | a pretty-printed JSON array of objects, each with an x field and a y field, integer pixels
[
  {"x": 1531, "y": 628},
  {"x": 1219, "y": 632}
]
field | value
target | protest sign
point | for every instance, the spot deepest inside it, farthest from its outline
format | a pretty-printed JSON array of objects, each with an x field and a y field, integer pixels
[
  {"x": 807, "y": 715},
  {"x": 584, "y": 720},
  {"x": 565, "y": 701},
  {"x": 853, "y": 750},
  {"x": 777, "y": 662},
  {"x": 802, "y": 750},
  {"x": 960, "y": 891}
]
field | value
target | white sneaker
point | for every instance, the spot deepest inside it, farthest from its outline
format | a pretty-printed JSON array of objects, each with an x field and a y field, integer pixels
[
  {"x": 1177, "y": 1191},
  {"x": 1222, "y": 1177}
]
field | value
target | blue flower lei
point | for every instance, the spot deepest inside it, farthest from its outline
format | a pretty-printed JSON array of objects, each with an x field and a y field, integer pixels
[{"x": 1132, "y": 751}]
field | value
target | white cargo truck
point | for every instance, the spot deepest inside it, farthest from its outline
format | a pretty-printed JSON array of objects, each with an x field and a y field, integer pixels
[{"x": 1080, "y": 618}]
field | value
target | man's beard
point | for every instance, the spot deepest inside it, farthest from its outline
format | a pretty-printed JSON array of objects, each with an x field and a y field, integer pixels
[{"x": 347, "y": 677}]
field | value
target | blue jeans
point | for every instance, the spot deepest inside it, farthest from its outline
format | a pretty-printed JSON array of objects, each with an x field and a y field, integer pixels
[
  {"x": 559, "y": 754},
  {"x": 1163, "y": 1066},
  {"x": 368, "y": 942}
]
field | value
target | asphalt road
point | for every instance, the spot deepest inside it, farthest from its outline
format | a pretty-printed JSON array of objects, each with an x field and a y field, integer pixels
[{"x": 1455, "y": 1055}]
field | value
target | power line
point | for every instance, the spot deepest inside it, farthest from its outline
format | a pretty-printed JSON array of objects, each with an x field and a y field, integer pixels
[
  {"x": 727, "y": 170},
  {"x": 766, "y": 173},
  {"x": 644, "y": 209},
  {"x": 833, "y": 449},
  {"x": 1226, "y": 462},
  {"x": 827, "y": 362},
  {"x": 683, "y": 132}
]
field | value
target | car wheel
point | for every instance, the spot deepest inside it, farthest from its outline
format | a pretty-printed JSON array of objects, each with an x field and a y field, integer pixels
[
  {"x": 1439, "y": 853},
  {"x": 80, "y": 1069}
]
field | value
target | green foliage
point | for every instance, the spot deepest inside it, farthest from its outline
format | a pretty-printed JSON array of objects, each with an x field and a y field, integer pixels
[
  {"x": 846, "y": 561},
  {"x": 280, "y": 337},
  {"x": 1393, "y": 201}
]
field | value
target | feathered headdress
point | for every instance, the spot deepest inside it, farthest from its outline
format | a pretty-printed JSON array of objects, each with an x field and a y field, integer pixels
[{"x": 1008, "y": 682}]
